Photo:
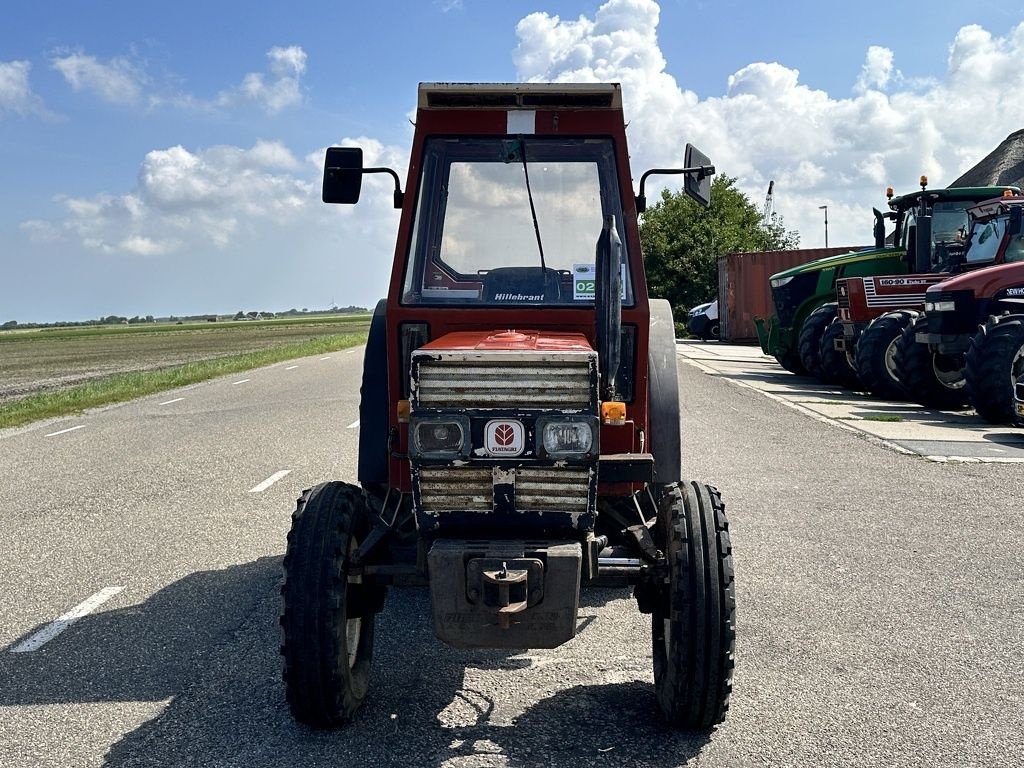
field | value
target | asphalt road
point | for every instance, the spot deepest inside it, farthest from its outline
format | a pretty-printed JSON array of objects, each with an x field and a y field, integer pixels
[{"x": 880, "y": 619}]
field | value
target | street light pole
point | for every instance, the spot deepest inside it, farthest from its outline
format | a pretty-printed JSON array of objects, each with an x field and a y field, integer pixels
[{"x": 825, "y": 209}]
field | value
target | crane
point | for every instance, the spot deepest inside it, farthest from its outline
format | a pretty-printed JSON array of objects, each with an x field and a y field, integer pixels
[{"x": 769, "y": 203}]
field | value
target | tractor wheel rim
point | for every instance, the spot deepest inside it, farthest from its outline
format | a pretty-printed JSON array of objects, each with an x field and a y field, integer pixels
[
  {"x": 353, "y": 626},
  {"x": 1016, "y": 367},
  {"x": 890, "y": 360},
  {"x": 947, "y": 372}
]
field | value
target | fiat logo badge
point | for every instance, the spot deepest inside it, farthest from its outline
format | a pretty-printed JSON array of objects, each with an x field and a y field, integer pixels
[{"x": 504, "y": 437}]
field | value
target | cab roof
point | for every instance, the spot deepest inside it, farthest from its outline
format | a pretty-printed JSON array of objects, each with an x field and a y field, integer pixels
[
  {"x": 950, "y": 193},
  {"x": 531, "y": 96}
]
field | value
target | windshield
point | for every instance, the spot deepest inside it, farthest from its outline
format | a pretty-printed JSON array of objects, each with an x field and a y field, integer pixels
[
  {"x": 986, "y": 239},
  {"x": 475, "y": 240},
  {"x": 949, "y": 224}
]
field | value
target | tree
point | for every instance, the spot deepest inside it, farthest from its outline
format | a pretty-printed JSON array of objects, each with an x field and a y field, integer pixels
[{"x": 682, "y": 241}]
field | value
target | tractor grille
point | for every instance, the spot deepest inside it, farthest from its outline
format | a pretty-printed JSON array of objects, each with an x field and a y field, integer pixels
[
  {"x": 457, "y": 381},
  {"x": 470, "y": 489}
]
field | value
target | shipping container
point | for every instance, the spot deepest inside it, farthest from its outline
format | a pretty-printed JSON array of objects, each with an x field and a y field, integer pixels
[{"x": 743, "y": 289}]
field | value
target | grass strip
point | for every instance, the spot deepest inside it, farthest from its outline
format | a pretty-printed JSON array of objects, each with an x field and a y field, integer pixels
[{"x": 128, "y": 386}]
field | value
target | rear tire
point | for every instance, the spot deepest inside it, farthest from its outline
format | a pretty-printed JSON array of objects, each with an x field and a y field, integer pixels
[
  {"x": 876, "y": 350},
  {"x": 663, "y": 390},
  {"x": 694, "y": 619},
  {"x": 995, "y": 359},
  {"x": 712, "y": 331},
  {"x": 835, "y": 365},
  {"x": 327, "y": 650},
  {"x": 934, "y": 380},
  {"x": 810, "y": 337}
]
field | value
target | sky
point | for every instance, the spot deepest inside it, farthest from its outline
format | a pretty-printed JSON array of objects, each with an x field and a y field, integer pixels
[{"x": 166, "y": 158}]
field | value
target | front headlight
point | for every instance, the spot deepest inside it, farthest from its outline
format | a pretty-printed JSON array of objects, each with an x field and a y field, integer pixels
[
  {"x": 929, "y": 306},
  {"x": 439, "y": 437},
  {"x": 945, "y": 306},
  {"x": 778, "y": 282},
  {"x": 567, "y": 437}
]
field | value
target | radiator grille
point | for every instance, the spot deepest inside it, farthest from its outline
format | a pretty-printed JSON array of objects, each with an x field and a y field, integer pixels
[
  {"x": 470, "y": 489},
  {"x": 451, "y": 382}
]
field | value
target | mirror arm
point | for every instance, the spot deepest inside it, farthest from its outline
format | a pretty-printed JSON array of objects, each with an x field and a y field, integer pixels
[
  {"x": 398, "y": 195},
  {"x": 701, "y": 171}
]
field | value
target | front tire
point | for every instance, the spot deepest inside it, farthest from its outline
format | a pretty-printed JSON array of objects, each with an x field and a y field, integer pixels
[
  {"x": 932, "y": 379},
  {"x": 835, "y": 365},
  {"x": 810, "y": 337},
  {"x": 327, "y": 619},
  {"x": 876, "y": 354},
  {"x": 995, "y": 359},
  {"x": 694, "y": 619}
]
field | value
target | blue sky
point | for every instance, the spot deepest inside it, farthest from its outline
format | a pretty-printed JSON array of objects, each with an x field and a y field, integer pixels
[{"x": 164, "y": 158}]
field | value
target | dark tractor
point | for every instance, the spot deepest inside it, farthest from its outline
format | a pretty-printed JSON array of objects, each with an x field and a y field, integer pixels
[
  {"x": 968, "y": 345},
  {"x": 519, "y": 414}
]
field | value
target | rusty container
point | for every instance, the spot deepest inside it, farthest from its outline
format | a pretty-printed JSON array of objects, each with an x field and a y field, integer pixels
[{"x": 743, "y": 289}]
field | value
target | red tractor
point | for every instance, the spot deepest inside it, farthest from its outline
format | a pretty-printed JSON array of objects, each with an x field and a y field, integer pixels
[
  {"x": 968, "y": 346},
  {"x": 519, "y": 414}
]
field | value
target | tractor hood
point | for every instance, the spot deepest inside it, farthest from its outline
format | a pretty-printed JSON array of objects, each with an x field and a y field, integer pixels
[
  {"x": 510, "y": 341},
  {"x": 985, "y": 282},
  {"x": 828, "y": 262}
]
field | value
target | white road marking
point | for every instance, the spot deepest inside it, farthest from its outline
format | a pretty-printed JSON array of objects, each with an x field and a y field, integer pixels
[
  {"x": 326, "y": 358},
  {"x": 50, "y": 631},
  {"x": 353, "y": 425},
  {"x": 63, "y": 431},
  {"x": 241, "y": 382},
  {"x": 349, "y": 352},
  {"x": 291, "y": 367},
  {"x": 269, "y": 481},
  {"x": 175, "y": 400}
]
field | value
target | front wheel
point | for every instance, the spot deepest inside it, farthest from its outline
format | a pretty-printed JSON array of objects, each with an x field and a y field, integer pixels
[
  {"x": 328, "y": 614},
  {"x": 995, "y": 359},
  {"x": 694, "y": 618},
  {"x": 835, "y": 364},
  {"x": 933, "y": 379},
  {"x": 809, "y": 340},
  {"x": 876, "y": 354}
]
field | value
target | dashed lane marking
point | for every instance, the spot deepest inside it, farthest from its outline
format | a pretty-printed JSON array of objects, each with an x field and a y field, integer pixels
[
  {"x": 65, "y": 431},
  {"x": 51, "y": 630},
  {"x": 175, "y": 400},
  {"x": 269, "y": 481},
  {"x": 325, "y": 358},
  {"x": 291, "y": 367},
  {"x": 353, "y": 425},
  {"x": 241, "y": 382}
]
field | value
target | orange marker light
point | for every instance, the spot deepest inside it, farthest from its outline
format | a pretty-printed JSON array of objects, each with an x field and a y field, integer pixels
[
  {"x": 403, "y": 409},
  {"x": 888, "y": 193},
  {"x": 924, "y": 181},
  {"x": 613, "y": 413},
  {"x": 1008, "y": 193}
]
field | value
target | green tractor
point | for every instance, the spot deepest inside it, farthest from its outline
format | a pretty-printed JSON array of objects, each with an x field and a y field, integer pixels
[{"x": 805, "y": 296}]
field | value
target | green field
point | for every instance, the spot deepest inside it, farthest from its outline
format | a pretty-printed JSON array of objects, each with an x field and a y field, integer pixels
[{"x": 48, "y": 372}]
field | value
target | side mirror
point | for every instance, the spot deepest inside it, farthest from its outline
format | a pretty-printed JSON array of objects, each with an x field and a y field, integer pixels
[
  {"x": 696, "y": 178},
  {"x": 697, "y": 182},
  {"x": 343, "y": 175},
  {"x": 1014, "y": 227},
  {"x": 879, "y": 228}
]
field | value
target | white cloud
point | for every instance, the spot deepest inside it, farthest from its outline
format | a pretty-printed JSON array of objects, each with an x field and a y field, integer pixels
[
  {"x": 276, "y": 90},
  {"x": 15, "y": 92},
  {"x": 117, "y": 81},
  {"x": 877, "y": 71},
  {"x": 767, "y": 124}
]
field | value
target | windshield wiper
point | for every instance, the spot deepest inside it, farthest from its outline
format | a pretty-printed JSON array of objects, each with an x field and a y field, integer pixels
[{"x": 533, "y": 209}]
